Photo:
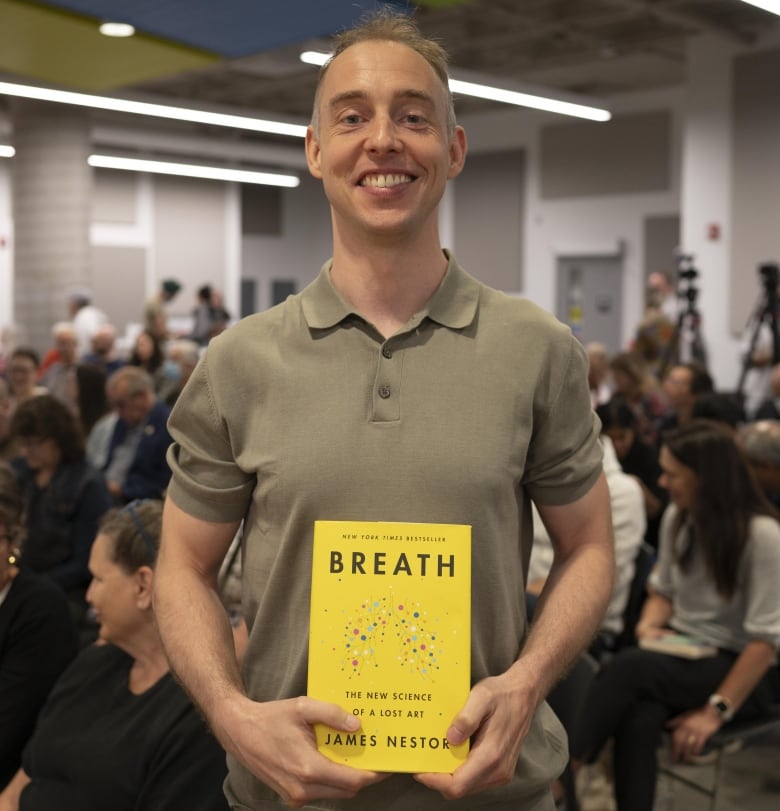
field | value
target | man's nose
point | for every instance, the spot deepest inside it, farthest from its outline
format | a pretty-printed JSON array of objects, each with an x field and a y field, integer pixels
[{"x": 383, "y": 135}]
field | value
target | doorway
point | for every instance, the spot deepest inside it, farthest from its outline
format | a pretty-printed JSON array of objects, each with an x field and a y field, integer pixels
[{"x": 589, "y": 295}]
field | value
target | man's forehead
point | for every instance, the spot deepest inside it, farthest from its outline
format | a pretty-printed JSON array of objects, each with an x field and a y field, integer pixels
[{"x": 379, "y": 63}]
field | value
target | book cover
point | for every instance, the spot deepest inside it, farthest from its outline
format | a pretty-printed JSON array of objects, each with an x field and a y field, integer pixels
[
  {"x": 679, "y": 645},
  {"x": 390, "y": 640}
]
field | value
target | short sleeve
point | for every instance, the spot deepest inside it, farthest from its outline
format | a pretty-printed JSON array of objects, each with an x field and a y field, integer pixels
[
  {"x": 206, "y": 481},
  {"x": 565, "y": 455}
]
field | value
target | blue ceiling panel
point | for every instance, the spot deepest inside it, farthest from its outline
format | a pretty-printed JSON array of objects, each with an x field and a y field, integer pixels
[{"x": 230, "y": 28}]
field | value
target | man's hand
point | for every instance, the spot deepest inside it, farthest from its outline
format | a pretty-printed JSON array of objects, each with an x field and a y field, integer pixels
[
  {"x": 275, "y": 741},
  {"x": 496, "y": 716}
]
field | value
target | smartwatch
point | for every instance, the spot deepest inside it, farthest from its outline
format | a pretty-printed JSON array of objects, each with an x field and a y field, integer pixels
[{"x": 722, "y": 706}]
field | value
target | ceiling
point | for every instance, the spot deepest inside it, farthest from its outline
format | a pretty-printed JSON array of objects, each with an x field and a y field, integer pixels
[{"x": 242, "y": 55}]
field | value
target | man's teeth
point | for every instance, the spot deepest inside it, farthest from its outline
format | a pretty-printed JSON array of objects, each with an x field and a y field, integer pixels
[{"x": 385, "y": 181}]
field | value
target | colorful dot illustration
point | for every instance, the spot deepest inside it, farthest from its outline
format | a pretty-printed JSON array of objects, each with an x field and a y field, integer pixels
[{"x": 388, "y": 627}]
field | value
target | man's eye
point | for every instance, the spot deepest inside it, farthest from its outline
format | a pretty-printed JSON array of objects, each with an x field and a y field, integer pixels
[
  {"x": 414, "y": 118},
  {"x": 351, "y": 118}
]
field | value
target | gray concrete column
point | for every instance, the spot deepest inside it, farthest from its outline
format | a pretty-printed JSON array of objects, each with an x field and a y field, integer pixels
[{"x": 51, "y": 197}]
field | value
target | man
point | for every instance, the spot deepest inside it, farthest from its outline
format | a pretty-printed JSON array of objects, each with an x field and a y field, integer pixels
[
  {"x": 760, "y": 442},
  {"x": 86, "y": 318},
  {"x": 395, "y": 387},
  {"x": 683, "y": 385},
  {"x": 57, "y": 377},
  {"x": 155, "y": 319},
  {"x": 103, "y": 354},
  {"x": 135, "y": 465}
]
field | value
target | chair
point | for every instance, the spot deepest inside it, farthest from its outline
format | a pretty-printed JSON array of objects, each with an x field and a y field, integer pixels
[
  {"x": 645, "y": 560},
  {"x": 566, "y": 700},
  {"x": 735, "y": 732}
]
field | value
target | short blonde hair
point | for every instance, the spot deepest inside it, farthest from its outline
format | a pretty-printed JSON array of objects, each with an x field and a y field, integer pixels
[{"x": 387, "y": 25}]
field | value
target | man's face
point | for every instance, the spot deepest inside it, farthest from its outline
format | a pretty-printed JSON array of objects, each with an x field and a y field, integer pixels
[
  {"x": 677, "y": 386},
  {"x": 130, "y": 408},
  {"x": 383, "y": 152}
]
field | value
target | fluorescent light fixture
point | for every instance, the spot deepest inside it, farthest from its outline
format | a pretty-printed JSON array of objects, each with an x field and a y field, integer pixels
[
  {"x": 314, "y": 58},
  {"x": 113, "y": 29},
  {"x": 483, "y": 91},
  {"x": 154, "y": 110},
  {"x": 768, "y": 5},
  {"x": 6, "y": 151},
  {"x": 192, "y": 170}
]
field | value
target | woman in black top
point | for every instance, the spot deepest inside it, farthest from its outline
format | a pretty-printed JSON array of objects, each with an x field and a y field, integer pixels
[{"x": 117, "y": 731}]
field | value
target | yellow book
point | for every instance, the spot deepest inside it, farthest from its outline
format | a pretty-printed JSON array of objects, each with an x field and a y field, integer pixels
[{"x": 390, "y": 640}]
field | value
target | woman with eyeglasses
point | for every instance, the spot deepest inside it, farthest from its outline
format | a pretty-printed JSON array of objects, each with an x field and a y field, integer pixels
[
  {"x": 64, "y": 496},
  {"x": 37, "y": 638},
  {"x": 118, "y": 732}
]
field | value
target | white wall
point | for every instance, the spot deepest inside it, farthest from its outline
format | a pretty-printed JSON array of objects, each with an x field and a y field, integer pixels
[{"x": 585, "y": 225}]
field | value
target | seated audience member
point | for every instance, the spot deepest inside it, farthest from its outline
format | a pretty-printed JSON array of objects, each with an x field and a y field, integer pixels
[
  {"x": 37, "y": 638},
  {"x": 598, "y": 373},
  {"x": 117, "y": 731},
  {"x": 103, "y": 350},
  {"x": 9, "y": 447},
  {"x": 637, "y": 459},
  {"x": 628, "y": 523},
  {"x": 652, "y": 338},
  {"x": 716, "y": 579},
  {"x": 147, "y": 354},
  {"x": 720, "y": 407},
  {"x": 64, "y": 496},
  {"x": 760, "y": 442},
  {"x": 55, "y": 378},
  {"x": 136, "y": 466},
  {"x": 641, "y": 394},
  {"x": 88, "y": 390},
  {"x": 22, "y": 374},
  {"x": 769, "y": 408},
  {"x": 683, "y": 385},
  {"x": 184, "y": 354}
]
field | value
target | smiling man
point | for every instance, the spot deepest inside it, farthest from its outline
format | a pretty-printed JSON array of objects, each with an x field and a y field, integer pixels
[{"x": 395, "y": 387}]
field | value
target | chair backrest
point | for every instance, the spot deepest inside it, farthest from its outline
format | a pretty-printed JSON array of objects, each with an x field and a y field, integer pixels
[{"x": 643, "y": 565}]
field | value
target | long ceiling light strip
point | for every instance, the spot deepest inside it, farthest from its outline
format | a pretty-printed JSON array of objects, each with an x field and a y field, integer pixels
[
  {"x": 6, "y": 151},
  {"x": 772, "y": 6},
  {"x": 491, "y": 93},
  {"x": 150, "y": 109},
  {"x": 193, "y": 170}
]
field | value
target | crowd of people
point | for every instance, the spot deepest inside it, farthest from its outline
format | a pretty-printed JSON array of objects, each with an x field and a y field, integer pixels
[{"x": 390, "y": 389}]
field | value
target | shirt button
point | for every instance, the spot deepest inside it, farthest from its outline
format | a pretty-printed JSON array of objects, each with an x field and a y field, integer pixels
[
  {"x": 387, "y": 352},
  {"x": 384, "y": 392}
]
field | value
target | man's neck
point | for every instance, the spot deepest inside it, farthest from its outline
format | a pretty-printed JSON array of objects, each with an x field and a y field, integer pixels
[{"x": 388, "y": 283}]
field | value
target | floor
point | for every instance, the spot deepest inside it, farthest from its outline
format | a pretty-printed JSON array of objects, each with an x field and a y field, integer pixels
[{"x": 749, "y": 781}]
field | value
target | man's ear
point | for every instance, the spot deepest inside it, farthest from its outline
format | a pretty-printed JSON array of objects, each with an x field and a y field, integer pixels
[
  {"x": 313, "y": 154},
  {"x": 458, "y": 148}
]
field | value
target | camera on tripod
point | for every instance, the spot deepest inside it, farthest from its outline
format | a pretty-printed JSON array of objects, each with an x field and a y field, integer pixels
[
  {"x": 770, "y": 275},
  {"x": 687, "y": 274}
]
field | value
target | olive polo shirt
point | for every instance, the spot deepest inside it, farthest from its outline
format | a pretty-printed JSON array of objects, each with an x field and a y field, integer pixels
[{"x": 306, "y": 412}]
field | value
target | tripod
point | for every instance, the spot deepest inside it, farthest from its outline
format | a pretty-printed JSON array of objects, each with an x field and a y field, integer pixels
[
  {"x": 686, "y": 344},
  {"x": 764, "y": 314}
]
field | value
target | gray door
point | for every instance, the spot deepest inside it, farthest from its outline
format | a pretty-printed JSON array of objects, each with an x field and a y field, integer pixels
[{"x": 589, "y": 296}]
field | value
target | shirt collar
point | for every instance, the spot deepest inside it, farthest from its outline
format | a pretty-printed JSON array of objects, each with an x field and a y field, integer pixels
[{"x": 453, "y": 304}]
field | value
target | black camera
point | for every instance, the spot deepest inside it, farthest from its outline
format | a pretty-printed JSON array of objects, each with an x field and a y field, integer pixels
[{"x": 770, "y": 274}]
